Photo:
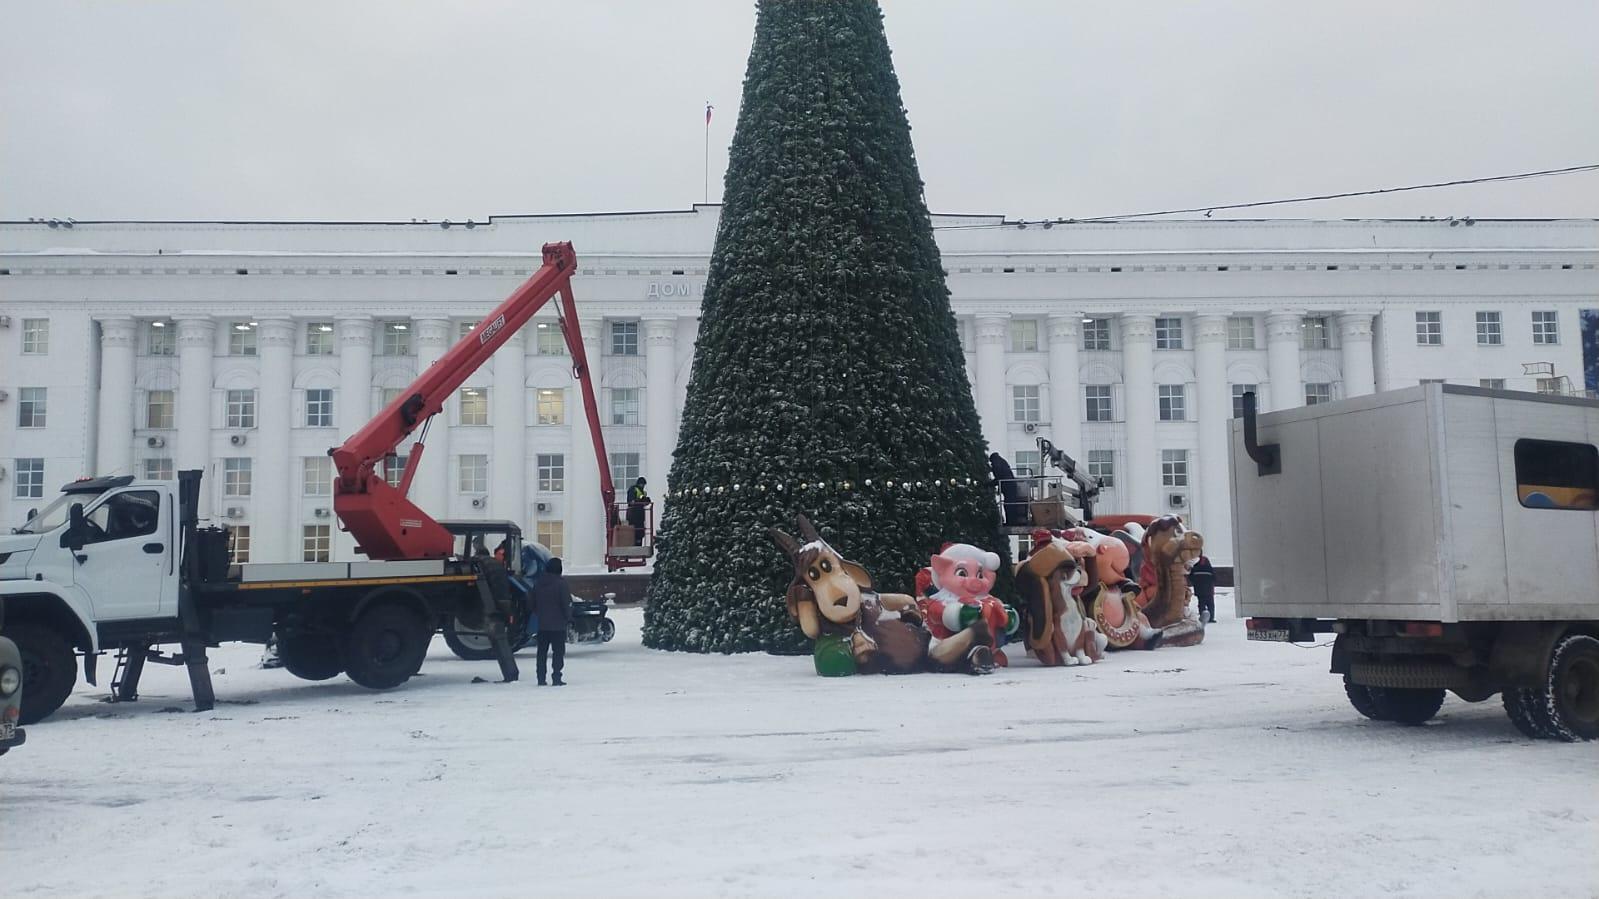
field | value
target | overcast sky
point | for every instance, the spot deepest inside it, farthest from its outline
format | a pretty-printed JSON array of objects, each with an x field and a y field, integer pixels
[{"x": 204, "y": 109}]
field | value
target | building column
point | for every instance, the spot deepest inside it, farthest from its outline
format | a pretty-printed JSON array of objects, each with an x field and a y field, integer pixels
[
  {"x": 196, "y": 345},
  {"x": 508, "y": 416},
  {"x": 1138, "y": 395},
  {"x": 276, "y": 473},
  {"x": 1215, "y": 412},
  {"x": 1282, "y": 360},
  {"x": 430, "y": 489},
  {"x": 1354, "y": 336},
  {"x": 660, "y": 397},
  {"x": 1065, "y": 401},
  {"x": 585, "y": 531},
  {"x": 992, "y": 333},
  {"x": 115, "y": 453},
  {"x": 353, "y": 407}
]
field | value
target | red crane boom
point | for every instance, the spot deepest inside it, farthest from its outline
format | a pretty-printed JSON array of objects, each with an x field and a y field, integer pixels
[{"x": 385, "y": 524}]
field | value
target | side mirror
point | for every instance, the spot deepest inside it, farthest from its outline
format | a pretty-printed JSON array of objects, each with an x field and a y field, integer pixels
[{"x": 76, "y": 528}]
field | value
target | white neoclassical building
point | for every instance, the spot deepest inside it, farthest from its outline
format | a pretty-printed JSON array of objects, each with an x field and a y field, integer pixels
[{"x": 247, "y": 349}]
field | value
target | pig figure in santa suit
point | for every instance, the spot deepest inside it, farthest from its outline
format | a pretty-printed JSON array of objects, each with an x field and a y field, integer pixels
[{"x": 968, "y": 624}]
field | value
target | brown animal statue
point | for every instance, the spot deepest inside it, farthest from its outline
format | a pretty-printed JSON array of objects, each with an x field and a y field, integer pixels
[
  {"x": 834, "y": 603},
  {"x": 1058, "y": 632},
  {"x": 1169, "y": 550}
]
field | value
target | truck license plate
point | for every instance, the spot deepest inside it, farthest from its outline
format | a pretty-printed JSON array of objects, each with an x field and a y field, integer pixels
[{"x": 1275, "y": 636}]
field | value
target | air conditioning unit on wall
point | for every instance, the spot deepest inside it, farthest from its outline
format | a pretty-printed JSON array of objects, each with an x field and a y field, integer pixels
[
  {"x": 1031, "y": 427},
  {"x": 542, "y": 507},
  {"x": 235, "y": 512},
  {"x": 155, "y": 442},
  {"x": 237, "y": 440},
  {"x": 321, "y": 512},
  {"x": 479, "y": 502},
  {"x": 1177, "y": 500}
]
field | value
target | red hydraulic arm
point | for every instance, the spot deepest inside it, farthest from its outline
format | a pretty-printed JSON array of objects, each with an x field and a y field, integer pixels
[{"x": 385, "y": 524}]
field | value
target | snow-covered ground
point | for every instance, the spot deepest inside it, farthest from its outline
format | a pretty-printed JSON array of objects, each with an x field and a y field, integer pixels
[{"x": 1224, "y": 769}]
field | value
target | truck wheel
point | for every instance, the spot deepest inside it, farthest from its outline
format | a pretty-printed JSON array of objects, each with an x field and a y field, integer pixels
[
  {"x": 386, "y": 646},
  {"x": 1407, "y": 705},
  {"x": 1526, "y": 710},
  {"x": 311, "y": 656},
  {"x": 1360, "y": 698},
  {"x": 1572, "y": 694},
  {"x": 469, "y": 643},
  {"x": 49, "y": 669}
]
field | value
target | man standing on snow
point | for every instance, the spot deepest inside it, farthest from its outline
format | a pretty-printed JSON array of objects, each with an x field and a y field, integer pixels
[
  {"x": 552, "y": 603},
  {"x": 1203, "y": 579}
]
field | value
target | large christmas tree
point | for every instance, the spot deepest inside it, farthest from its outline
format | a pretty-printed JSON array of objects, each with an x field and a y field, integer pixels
[{"x": 828, "y": 375}]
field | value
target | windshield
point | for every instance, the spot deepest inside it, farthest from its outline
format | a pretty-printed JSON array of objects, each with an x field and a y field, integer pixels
[{"x": 55, "y": 514}]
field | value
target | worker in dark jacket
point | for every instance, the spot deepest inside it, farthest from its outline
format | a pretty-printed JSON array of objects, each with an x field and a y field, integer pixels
[
  {"x": 552, "y": 603},
  {"x": 1202, "y": 577},
  {"x": 638, "y": 500}
]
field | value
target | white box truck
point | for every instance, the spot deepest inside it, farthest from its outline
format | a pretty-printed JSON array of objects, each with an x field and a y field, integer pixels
[{"x": 1447, "y": 536}]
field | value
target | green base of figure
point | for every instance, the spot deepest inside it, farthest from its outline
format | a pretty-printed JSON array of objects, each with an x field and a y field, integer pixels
[{"x": 833, "y": 656}]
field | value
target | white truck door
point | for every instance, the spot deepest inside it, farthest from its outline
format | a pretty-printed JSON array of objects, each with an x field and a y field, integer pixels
[{"x": 123, "y": 567}]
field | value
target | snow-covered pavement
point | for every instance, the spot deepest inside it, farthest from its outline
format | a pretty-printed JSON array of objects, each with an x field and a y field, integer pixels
[{"x": 1223, "y": 769}]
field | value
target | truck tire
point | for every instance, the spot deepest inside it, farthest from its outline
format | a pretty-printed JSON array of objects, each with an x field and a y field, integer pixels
[
  {"x": 1407, "y": 705},
  {"x": 386, "y": 646},
  {"x": 469, "y": 643},
  {"x": 1360, "y": 698},
  {"x": 311, "y": 656},
  {"x": 49, "y": 669},
  {"x": 1526, "y": 709},
  {"x": 1571, "y": 695}
]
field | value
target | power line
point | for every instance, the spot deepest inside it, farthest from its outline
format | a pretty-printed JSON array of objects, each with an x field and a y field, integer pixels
[{"x": 1519, "y": 176}]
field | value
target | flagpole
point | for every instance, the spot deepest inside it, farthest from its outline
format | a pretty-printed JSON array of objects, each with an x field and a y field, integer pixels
[{"x": 707, "y": 152}]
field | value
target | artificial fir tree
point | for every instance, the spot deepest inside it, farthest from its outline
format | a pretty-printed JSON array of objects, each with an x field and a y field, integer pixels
[{"x": 828, "y": 374}]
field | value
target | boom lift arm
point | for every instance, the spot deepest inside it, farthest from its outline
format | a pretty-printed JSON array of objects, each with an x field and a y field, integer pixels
[{"x": 384, "y": 522}]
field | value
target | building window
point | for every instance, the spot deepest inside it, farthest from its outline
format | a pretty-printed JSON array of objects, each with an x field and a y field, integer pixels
[
  {"x": 464, "y": 328},
  {"x": 1173, "y": 402},
  {"x": 474, "y": 406},
  {"x": 315, "y": 542},
  {"x": 1096, "y": 333},
  {"x": 1554, "y": 474},
  {"x": 316, "y": 476},
  {"x": 1102, "y": 465},
  {"x": 1028, "y": 464},
  {"x": 241, "y": 339},
  {"x": 239, "y": 544},
  {"x": 1024, "y": 403},
  {"x": 1238, "y": 397},
  {"x": 474, "y": 474},
  {"x": 624, "y": 405},
  {"x": 32, "y": 403},
  {"x": 1168, "y": 333},
  {"x": 1429, "y": 329},
  {"x": 553, "y": 535},
  {"x": 1545, "y": 328},
  {"x": 319, "y": 338},
  {"x": 552, "y": 472},
  {"x": 1490, "y": 330},
  {"x": 624, "y": 338},
  {"x": 35, "y": 336},
  {"x": 1491, "y": 383},
  {"x": 1550, "y": 386},
  {"x": 236, "y": 476},
  {"x": 394, "y": 469},
  {"x": 387, "y": 396},
  {"x": 1024, "y": 335},
  {"x": 158, "y": 469},
  {"x": 550, "y": 340},
  {"x": 1174, "y": 468},
  {"x": 158, "y": 409},
  {"x": 396, "y": 340},
  {"x": 624, "y": 468},
  {"x": 30, "y": 479},
  {"x": 319, "y": 408},
  {"x": 1317, "y": 393},
  {"x": 1313, "y": 333},
  {"x": 1241, "y": 332},
  {"x": 550, "y": 404},
  {"x": 240, "y": 409},
  {"x": 159, "y": 339},
  {"x": 1096, "y": 401}
]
